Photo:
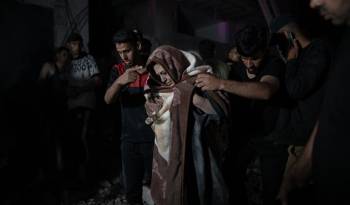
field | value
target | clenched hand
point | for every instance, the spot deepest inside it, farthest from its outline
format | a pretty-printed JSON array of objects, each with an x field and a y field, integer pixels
[
  {"x": 130, "y": 75},
  {"x": 208, "y": 82}
]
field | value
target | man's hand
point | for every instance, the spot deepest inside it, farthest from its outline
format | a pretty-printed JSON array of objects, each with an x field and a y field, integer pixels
[
  {"x": 208, "y": 82},
  {"x": 293, "y": 52},
  {"x": 296, "y": 177},
  {"x": 302, "y": 171},
  {"x": 288, "y": 184},
  {"x": 130, "y": 75}
]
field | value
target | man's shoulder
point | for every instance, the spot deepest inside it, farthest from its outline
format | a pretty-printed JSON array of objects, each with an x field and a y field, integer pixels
[{"x": 319, "y": 45}]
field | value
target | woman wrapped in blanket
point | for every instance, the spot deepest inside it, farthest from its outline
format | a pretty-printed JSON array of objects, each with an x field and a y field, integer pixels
[{"x": 184, "y": 120}]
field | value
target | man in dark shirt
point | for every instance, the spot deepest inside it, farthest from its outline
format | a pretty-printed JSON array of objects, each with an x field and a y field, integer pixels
[
  {"x": 256, "y": 82},
  {"x": 327, "y": 150},
  {"x": 305, "y": 79},
  {"x": 127, "y": 81},
  {"x": 256, "y": 78},
  {"x": 306, "y": 72}
]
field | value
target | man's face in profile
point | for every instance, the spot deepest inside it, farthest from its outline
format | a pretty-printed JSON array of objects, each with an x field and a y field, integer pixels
[{"x": 338, "y": 11}]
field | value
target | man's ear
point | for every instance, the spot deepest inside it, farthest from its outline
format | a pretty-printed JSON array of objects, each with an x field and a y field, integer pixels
[{"x": 138, "y": 45}]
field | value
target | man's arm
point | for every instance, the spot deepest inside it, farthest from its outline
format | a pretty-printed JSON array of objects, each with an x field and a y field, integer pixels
[
  {"x": 262, "y": 90},
  {"x": 300, "y": 171},
  {"x": 112, "y": 92}
]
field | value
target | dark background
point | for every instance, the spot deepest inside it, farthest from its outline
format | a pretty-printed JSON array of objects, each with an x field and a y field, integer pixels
[{"x": 27, "y": 41}]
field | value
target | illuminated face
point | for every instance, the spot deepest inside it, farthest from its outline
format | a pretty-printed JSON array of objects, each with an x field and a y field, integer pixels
[
  {"x": 126, "y": 52},
  {"x": 251, "y": 63},
  {"x": 336, "y": 10},
  {"x": 163, "y": 75},
  {"x": 75, "y": 48}
]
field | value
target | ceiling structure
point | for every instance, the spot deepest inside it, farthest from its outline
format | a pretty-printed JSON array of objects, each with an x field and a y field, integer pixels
[
  {"x": 205, "y": 12},
  {"x": 225, "y": 10}
]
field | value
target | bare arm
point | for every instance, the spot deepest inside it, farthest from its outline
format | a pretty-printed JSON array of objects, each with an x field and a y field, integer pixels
[
  {"x": 45, "y": 71},
  {"x": 300, "y": 171},
  {"x": 262, "y": 90},
  {"x": 112, "y": 92}
]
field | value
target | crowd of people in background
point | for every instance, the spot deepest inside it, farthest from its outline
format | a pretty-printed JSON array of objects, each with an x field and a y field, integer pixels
[{"x": 267, "y": 125}]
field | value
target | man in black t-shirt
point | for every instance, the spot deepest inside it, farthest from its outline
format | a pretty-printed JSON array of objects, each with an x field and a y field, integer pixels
[
  {"x": 255, "y": 83},
  {"x": 326, "y": 155},
  {"x": 305, "y": 78},
  {"x": 256, "y": 78},
  {"x": 307, "y": 65},
  {"x": 127, "y": 81}
]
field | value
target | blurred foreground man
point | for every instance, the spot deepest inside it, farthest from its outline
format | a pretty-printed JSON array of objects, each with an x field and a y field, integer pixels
[{"x": 327, "y": 151}]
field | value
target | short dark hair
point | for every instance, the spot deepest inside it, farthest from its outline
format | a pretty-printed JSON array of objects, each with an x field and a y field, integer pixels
[
  {"x": 125, "y": 36},
  {"x": 61, "y": 49},
  {"x": 75, "y": 37},
  {"x": 138, "y": 34},
  {"x": 251, "y": 40}
]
